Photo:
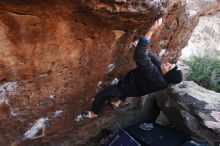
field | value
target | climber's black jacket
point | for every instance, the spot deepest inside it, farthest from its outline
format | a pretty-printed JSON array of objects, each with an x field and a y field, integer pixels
[{"x": 146, "y": 77}]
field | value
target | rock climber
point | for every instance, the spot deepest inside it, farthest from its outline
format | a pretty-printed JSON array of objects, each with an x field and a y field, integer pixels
[{"x": 149, "y": 76}]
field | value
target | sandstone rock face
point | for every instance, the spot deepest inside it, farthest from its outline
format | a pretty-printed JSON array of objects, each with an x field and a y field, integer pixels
[
  {"x": 190, "y": 108},
  {"x": 55, "y": 55},
  {"x": 205, "y": 38}
]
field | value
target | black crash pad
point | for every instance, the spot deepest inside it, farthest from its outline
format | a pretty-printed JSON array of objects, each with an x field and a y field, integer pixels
[{"x": 152, "y": 134}]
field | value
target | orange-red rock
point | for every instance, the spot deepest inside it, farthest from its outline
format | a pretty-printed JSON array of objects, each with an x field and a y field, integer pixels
[{"x": 54, "y": 53}]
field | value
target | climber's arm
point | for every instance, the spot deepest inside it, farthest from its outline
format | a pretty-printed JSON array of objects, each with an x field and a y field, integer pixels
[
  {"x": 142, "y": 60},
  {"x": 153, "y": 28}
]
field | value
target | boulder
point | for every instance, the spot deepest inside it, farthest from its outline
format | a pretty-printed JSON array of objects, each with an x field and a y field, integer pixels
[
  {"x": 55, "y": 55},
  {"x": 192, "y": 109}
]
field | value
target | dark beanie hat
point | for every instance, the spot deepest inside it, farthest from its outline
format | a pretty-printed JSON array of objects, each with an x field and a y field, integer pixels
[{"x": 174, "y": 76}]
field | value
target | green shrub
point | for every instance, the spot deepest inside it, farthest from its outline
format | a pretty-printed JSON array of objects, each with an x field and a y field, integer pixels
[{"x": 205, "y": 72}]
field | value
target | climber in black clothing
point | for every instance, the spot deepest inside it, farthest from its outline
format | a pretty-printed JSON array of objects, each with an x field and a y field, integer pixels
[{"x": 149, "y": 76}]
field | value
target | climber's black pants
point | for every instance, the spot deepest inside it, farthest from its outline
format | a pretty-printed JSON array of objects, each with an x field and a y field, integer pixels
[{"x": 112, "y": 91}]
